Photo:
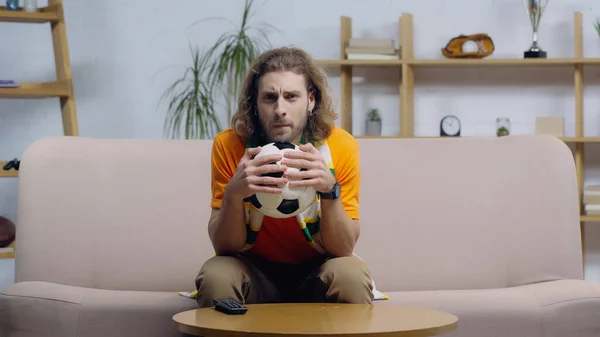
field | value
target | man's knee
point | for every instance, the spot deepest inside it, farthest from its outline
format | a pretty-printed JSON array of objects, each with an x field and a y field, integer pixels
[
  {"x": 348, "y": 279},
  {"x": 220, "y": 276}
]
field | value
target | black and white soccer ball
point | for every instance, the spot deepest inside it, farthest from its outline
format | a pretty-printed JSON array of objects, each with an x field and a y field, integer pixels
[{"x": 292, "y": 200}]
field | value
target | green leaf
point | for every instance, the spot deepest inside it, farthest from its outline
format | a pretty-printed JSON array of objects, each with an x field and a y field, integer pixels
[
  {"x": 218, "y": 72},
  {"x": 190, "y": 103}
]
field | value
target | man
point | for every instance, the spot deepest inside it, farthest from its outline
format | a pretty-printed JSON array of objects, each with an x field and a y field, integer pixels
[{"x": 284, "y": 98}]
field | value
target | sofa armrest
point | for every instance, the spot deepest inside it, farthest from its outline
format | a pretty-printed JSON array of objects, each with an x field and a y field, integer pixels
[
  {"x": 40, "y": 309},
  {"x": 55, "y": 310}
]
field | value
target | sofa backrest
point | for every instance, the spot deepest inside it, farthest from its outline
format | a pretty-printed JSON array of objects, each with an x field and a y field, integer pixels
[
  {"x": 435, "y": 213},
  {"x": 113, "y": 213},
  {"x": 468, "y": 213}
]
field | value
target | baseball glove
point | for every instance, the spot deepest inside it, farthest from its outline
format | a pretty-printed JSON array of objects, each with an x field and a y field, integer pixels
[{"x": 469, "y": 46}]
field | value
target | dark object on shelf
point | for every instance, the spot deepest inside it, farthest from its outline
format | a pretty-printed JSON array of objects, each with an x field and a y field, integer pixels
[
  {"x": 13, "y": 164},
  {"x": 7, "y": 232},
  {"x": 12, "y": 5},
  {"x": 454, "y": 48},
  {"x": 535, "y": 54},
  {"x": 9, "y": 84}
]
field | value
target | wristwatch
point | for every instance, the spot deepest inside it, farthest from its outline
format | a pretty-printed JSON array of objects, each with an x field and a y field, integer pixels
[{"x": 335, "y": 192}]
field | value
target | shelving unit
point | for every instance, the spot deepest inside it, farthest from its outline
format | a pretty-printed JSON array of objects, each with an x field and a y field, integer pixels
[
  {"x": 62, "y": 88},
  {"x": 406, "y": 65}
]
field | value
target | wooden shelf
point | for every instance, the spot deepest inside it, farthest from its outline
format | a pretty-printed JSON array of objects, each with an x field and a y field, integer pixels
[
  {"x": 591, "y": 61},
  {"x": 581, "y": 139},
  {"x": 407, "y": 64},
  {"x": 449, "y": 63},
  {"x": 360, "y": 63},
  {"x": 43, "y": 15},
  {"x": 37, "y": 90},
  {"x": 8, "y": 252},
  {"x": 62, "y": 88},
  {"x": 490, "y": 62},
  {"x": 9, "y": 173}
]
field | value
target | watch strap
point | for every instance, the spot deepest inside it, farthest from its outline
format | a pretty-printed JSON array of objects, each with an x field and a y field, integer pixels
[{"x": 333, "y": 194}]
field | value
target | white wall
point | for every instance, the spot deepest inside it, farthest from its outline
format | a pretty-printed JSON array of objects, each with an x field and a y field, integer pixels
[{"x": 118, "y": 49}]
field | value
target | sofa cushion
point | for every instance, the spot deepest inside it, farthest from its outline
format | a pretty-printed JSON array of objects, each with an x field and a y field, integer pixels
[
  {"x": 548, "y": 309},
  {"x": 54, "y": 310}
]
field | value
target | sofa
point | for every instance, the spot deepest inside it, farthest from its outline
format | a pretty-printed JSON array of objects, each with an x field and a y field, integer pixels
[{"x": 110, "y": 230}]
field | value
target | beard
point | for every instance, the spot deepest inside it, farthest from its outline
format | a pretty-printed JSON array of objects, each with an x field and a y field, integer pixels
[{"x": 291, "y": 132}]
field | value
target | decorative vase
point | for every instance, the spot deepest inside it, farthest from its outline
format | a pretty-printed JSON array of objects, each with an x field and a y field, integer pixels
[
  {"x": 30, "y": 5},
  {"x": 373, "y": 128}
]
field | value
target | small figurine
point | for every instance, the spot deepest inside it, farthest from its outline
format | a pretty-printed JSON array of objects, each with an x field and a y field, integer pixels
[{"x": 12, "y": 5}]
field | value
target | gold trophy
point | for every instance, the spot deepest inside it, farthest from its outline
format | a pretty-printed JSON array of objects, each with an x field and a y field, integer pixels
[{"x": 535, "y": 9}]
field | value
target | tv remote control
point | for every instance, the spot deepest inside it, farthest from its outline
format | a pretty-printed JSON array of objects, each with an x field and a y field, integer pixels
[{"x": 229, "y": 306}]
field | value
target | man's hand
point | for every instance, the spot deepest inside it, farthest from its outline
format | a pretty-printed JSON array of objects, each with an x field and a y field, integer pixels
[
  {"x": 317, "y": 173},
  {"x": 338, "y": 231},
  {"x": 227, "y": 226},
  {"x": 253, "y": 175}
]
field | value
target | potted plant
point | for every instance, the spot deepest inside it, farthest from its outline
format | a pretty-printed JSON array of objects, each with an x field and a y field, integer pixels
[
  {"x": 597, "y": 26},
  {"x": 218, "y": 72},
  {"x": 373, "y": 123},
  {"x": 502, "y": 126}
]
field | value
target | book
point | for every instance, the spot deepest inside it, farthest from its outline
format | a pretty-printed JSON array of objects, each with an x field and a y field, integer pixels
[
  {"x": 371, "y": 50},
  {"x": 356, "y": 42},
  {"x": 9, "y": 84},
  {"x": 372, "y": 57}
]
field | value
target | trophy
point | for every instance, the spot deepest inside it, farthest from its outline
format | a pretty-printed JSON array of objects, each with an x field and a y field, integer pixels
[{"x": 535, "y": 9}]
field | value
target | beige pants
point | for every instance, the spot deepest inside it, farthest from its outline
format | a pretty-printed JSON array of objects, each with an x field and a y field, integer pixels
[{"x": 249, "y": 279}]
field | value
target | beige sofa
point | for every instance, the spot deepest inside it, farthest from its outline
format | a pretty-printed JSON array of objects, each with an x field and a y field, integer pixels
[{"x": 110, "y": 230}]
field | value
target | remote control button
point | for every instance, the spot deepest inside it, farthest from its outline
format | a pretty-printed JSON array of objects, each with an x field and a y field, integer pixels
[{"x": 233, "y": 304}]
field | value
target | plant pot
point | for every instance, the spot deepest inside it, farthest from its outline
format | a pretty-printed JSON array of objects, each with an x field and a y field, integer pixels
[{"x": 373, "y": 128}]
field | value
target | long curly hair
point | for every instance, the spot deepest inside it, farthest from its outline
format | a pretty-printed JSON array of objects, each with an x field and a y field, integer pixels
[{"x": 319, "y": 123}]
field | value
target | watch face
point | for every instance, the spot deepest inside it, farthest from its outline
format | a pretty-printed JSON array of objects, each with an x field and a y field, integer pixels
[
  {"x": 450, "y": 125},
  {"x": 338, "y": 190}
]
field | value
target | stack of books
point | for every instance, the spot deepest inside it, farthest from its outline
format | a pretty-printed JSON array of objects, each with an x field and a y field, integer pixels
[
  {"x": 591, "y": 200},
  {"x": 372, "y": 49}
]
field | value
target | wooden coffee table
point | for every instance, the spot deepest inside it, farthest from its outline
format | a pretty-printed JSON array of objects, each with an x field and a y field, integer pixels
[{"x": 317, "y": 320}]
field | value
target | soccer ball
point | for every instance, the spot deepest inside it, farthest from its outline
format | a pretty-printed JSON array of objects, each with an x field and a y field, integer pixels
[{"x": 292, "y": 200}]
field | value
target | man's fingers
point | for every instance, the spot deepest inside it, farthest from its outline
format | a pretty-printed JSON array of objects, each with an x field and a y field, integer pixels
[
  {"x": 267, "y": 180},
  {"x": 298, "y": 155},
  {"x": 255, "y": 150},
  {"x": 299, "y": 163},
  {"x": 271, "y": 158},
  {"x": 296, "y": 175},
  {"x": 250, "y": 152},
  {"x": 305, "y": 182},
  {"x": 265, "y": 189},
  {"x": 269, "y": 168},
  {"x": 308, "y": 147}
]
